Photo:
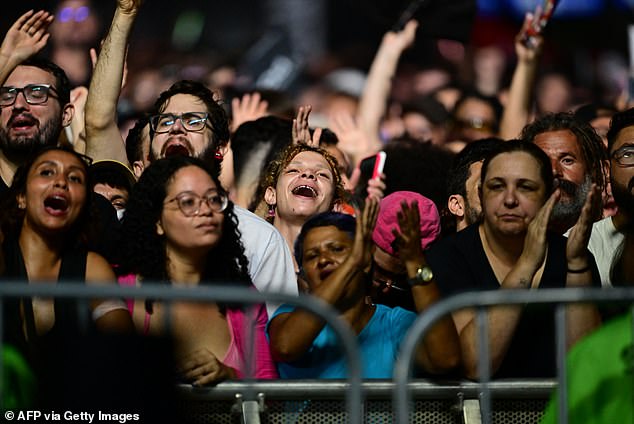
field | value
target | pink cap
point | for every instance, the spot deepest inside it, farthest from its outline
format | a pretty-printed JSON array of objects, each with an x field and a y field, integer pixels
[{"x": 387, "y": 219}]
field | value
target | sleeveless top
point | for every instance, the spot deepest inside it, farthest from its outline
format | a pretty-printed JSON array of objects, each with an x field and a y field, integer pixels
[{"x": 67, "y": 322}]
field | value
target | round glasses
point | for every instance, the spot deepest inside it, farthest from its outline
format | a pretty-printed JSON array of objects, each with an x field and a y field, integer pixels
[
  {"x": 34, "y": 94},
  {"x": 189, "y": 203},
  {"x": 624, "y": 156},
  {"x": 191, "y": 121}
]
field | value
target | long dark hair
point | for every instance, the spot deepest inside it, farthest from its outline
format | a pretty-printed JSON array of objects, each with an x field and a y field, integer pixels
[{"x": 144, "y": 250}]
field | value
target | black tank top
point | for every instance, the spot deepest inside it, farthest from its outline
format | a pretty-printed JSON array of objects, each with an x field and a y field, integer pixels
[{"x": 67, "y": 319}]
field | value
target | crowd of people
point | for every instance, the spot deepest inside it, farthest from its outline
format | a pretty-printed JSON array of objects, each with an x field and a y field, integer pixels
[{"x": 480, "y": 191}]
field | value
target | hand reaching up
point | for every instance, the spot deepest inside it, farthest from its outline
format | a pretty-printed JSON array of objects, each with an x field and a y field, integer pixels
[
  {"x": 301, "y": 130},
  {"x": 26, "y": 37}
]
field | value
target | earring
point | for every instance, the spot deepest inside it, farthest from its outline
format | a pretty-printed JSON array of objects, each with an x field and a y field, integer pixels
[
  {"x": 271, "y": 213},
  {"x": 218, "y": 155}
]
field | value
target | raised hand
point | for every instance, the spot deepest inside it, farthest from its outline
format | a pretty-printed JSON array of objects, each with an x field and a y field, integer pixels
[
  {"x": 301, "y": 130},
  {"x": 535, "y": 244},
  {"x": 26, "y": 37},
  {"x": 129, "y": 7},
  {"x": 202, "y": 367},
  {"x": 249, "y": 108},
  {"x": 528, "y": 52},
  {"x": 576, "y": 247},
  {"x": 403, "y": 39},
  {"x": 407, "y": 240},
  {"x": 361, "y": 251},
  {"x": 352, "y": 139}
]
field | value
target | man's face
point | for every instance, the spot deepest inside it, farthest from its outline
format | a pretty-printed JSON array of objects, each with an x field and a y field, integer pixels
[
  {"x": 179, "y": 140},
  {"x": 622, "y": 177},
  {"x": 25, "y": 127},
  {"x": 569, "y": 169},
  {"x": 473, "y": 209}
]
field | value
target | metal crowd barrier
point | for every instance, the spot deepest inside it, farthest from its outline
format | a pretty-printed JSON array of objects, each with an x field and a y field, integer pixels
[
  {"x": 481, "y": 412},
  {"x": 250, "y": 412}
]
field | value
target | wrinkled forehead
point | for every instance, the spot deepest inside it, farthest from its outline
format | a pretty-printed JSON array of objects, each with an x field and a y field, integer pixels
[{"x": 25, "y": 75}]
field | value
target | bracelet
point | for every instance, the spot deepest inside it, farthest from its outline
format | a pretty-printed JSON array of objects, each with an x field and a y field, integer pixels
[{"x": 579, "y": 271}]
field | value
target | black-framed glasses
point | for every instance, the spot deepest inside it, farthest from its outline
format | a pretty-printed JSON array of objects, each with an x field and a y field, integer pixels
[
  {"x": 191, "y": 121},
  {"x": 624, "y": 156},
  {"x": 34, "y": 94},
  {"x": 189, "y": 203}
]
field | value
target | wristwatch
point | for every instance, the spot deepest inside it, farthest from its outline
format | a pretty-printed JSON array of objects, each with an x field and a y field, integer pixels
[{"x": 423, "y": 276}]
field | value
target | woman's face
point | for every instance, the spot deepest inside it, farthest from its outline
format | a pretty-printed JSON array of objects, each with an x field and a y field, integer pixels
[
  {"x": 304, "y": 188},
  {"x": 199, "y": 231},
  {"x": 512, "y": 193},
  {"x": 55, "y": 192},
  {"x": 324, "y": 249}
]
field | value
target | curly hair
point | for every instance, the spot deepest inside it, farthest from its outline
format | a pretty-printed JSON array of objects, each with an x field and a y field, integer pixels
[
  {"x": 144, "y": 250},
  {"x": 590, "y": 143},
  {"x": 275, "y": 168},
  {"x": 12, "y": 216}
]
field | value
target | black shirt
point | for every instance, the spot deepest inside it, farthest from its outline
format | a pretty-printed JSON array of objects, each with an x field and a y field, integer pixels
[{"x": 460, "y": 265}]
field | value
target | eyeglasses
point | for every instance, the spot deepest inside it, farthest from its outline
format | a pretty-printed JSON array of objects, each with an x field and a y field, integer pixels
[
  {"x": 189, "y": 203},
  {"x": 624, "y": 156},
  {"x": 192, "y": 121},
  {"x": 34, "y": 94}
]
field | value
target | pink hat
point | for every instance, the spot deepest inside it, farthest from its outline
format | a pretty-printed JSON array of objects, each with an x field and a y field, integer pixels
[{"x": 387, "y": 219}]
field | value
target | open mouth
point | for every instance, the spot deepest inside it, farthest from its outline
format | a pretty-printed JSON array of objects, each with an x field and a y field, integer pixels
[
  {"x": 304, "y": 191},
  {"x": 56, "y": 204},
  {"x": 176, "y": 150},
  {"x": 22, "y": 122},
  {"x": 325, "y": 273}
]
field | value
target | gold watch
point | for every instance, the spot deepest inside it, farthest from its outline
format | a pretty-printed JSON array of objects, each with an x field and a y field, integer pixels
[{"x": 423, "y": 276}]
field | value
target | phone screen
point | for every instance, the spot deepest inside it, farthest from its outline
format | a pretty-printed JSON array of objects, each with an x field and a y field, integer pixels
[{"x": 368, "y": 166}]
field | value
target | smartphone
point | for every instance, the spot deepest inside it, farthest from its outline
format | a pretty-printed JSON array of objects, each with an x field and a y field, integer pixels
[{"x": 370, "y": 167}]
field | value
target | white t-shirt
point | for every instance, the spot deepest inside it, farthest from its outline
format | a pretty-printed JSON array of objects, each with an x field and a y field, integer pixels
[
  {"x": 270, "y": 263},
  {"x": 605, "y": 242}
]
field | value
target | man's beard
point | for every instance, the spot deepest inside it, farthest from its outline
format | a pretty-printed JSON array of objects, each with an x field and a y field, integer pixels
[
  {"x": 471, "y": 214},
  {"x": 568, "y": 208},
  {"x": 17, "y": 149},
  {"x": 623, "y": 197}
]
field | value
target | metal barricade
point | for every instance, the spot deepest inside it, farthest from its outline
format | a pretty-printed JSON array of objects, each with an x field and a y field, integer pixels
[
  {"x": 481, "y": 300},
  {"x": 353, "y": 393}
]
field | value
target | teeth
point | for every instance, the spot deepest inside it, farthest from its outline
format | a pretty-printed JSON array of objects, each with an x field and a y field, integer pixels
[{"x": 304, "y": 190}]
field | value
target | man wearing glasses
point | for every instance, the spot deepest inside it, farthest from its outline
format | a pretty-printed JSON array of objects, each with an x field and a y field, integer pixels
[
  {"x": 189, "y": 122},
  {"x": 34, "y": 94},
  {"x": 608, "y": 234}
]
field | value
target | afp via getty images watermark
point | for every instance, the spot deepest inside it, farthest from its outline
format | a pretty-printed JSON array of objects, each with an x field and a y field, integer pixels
[{"x": 70, "y": 416}]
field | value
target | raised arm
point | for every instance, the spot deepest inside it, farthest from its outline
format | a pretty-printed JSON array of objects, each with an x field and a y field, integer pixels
[
  {"x": 440, "y": 350},
  {"x": 517, "y": 111},
  {"x": 103, "y": 139},
  {"x": 503, "y": 320},
  {"x": 26, "y": 37},
  {"x": 291, "y": 334},
  {"x": 375, "y": 95}
]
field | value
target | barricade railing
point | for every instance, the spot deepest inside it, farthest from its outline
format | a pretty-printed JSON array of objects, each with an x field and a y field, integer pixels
[
  {"x": 481, "y": 301},
  {"x": 216, "y": 293}
]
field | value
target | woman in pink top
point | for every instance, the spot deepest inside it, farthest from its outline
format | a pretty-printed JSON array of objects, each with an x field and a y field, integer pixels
[{"x": 180, "y": 228}]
